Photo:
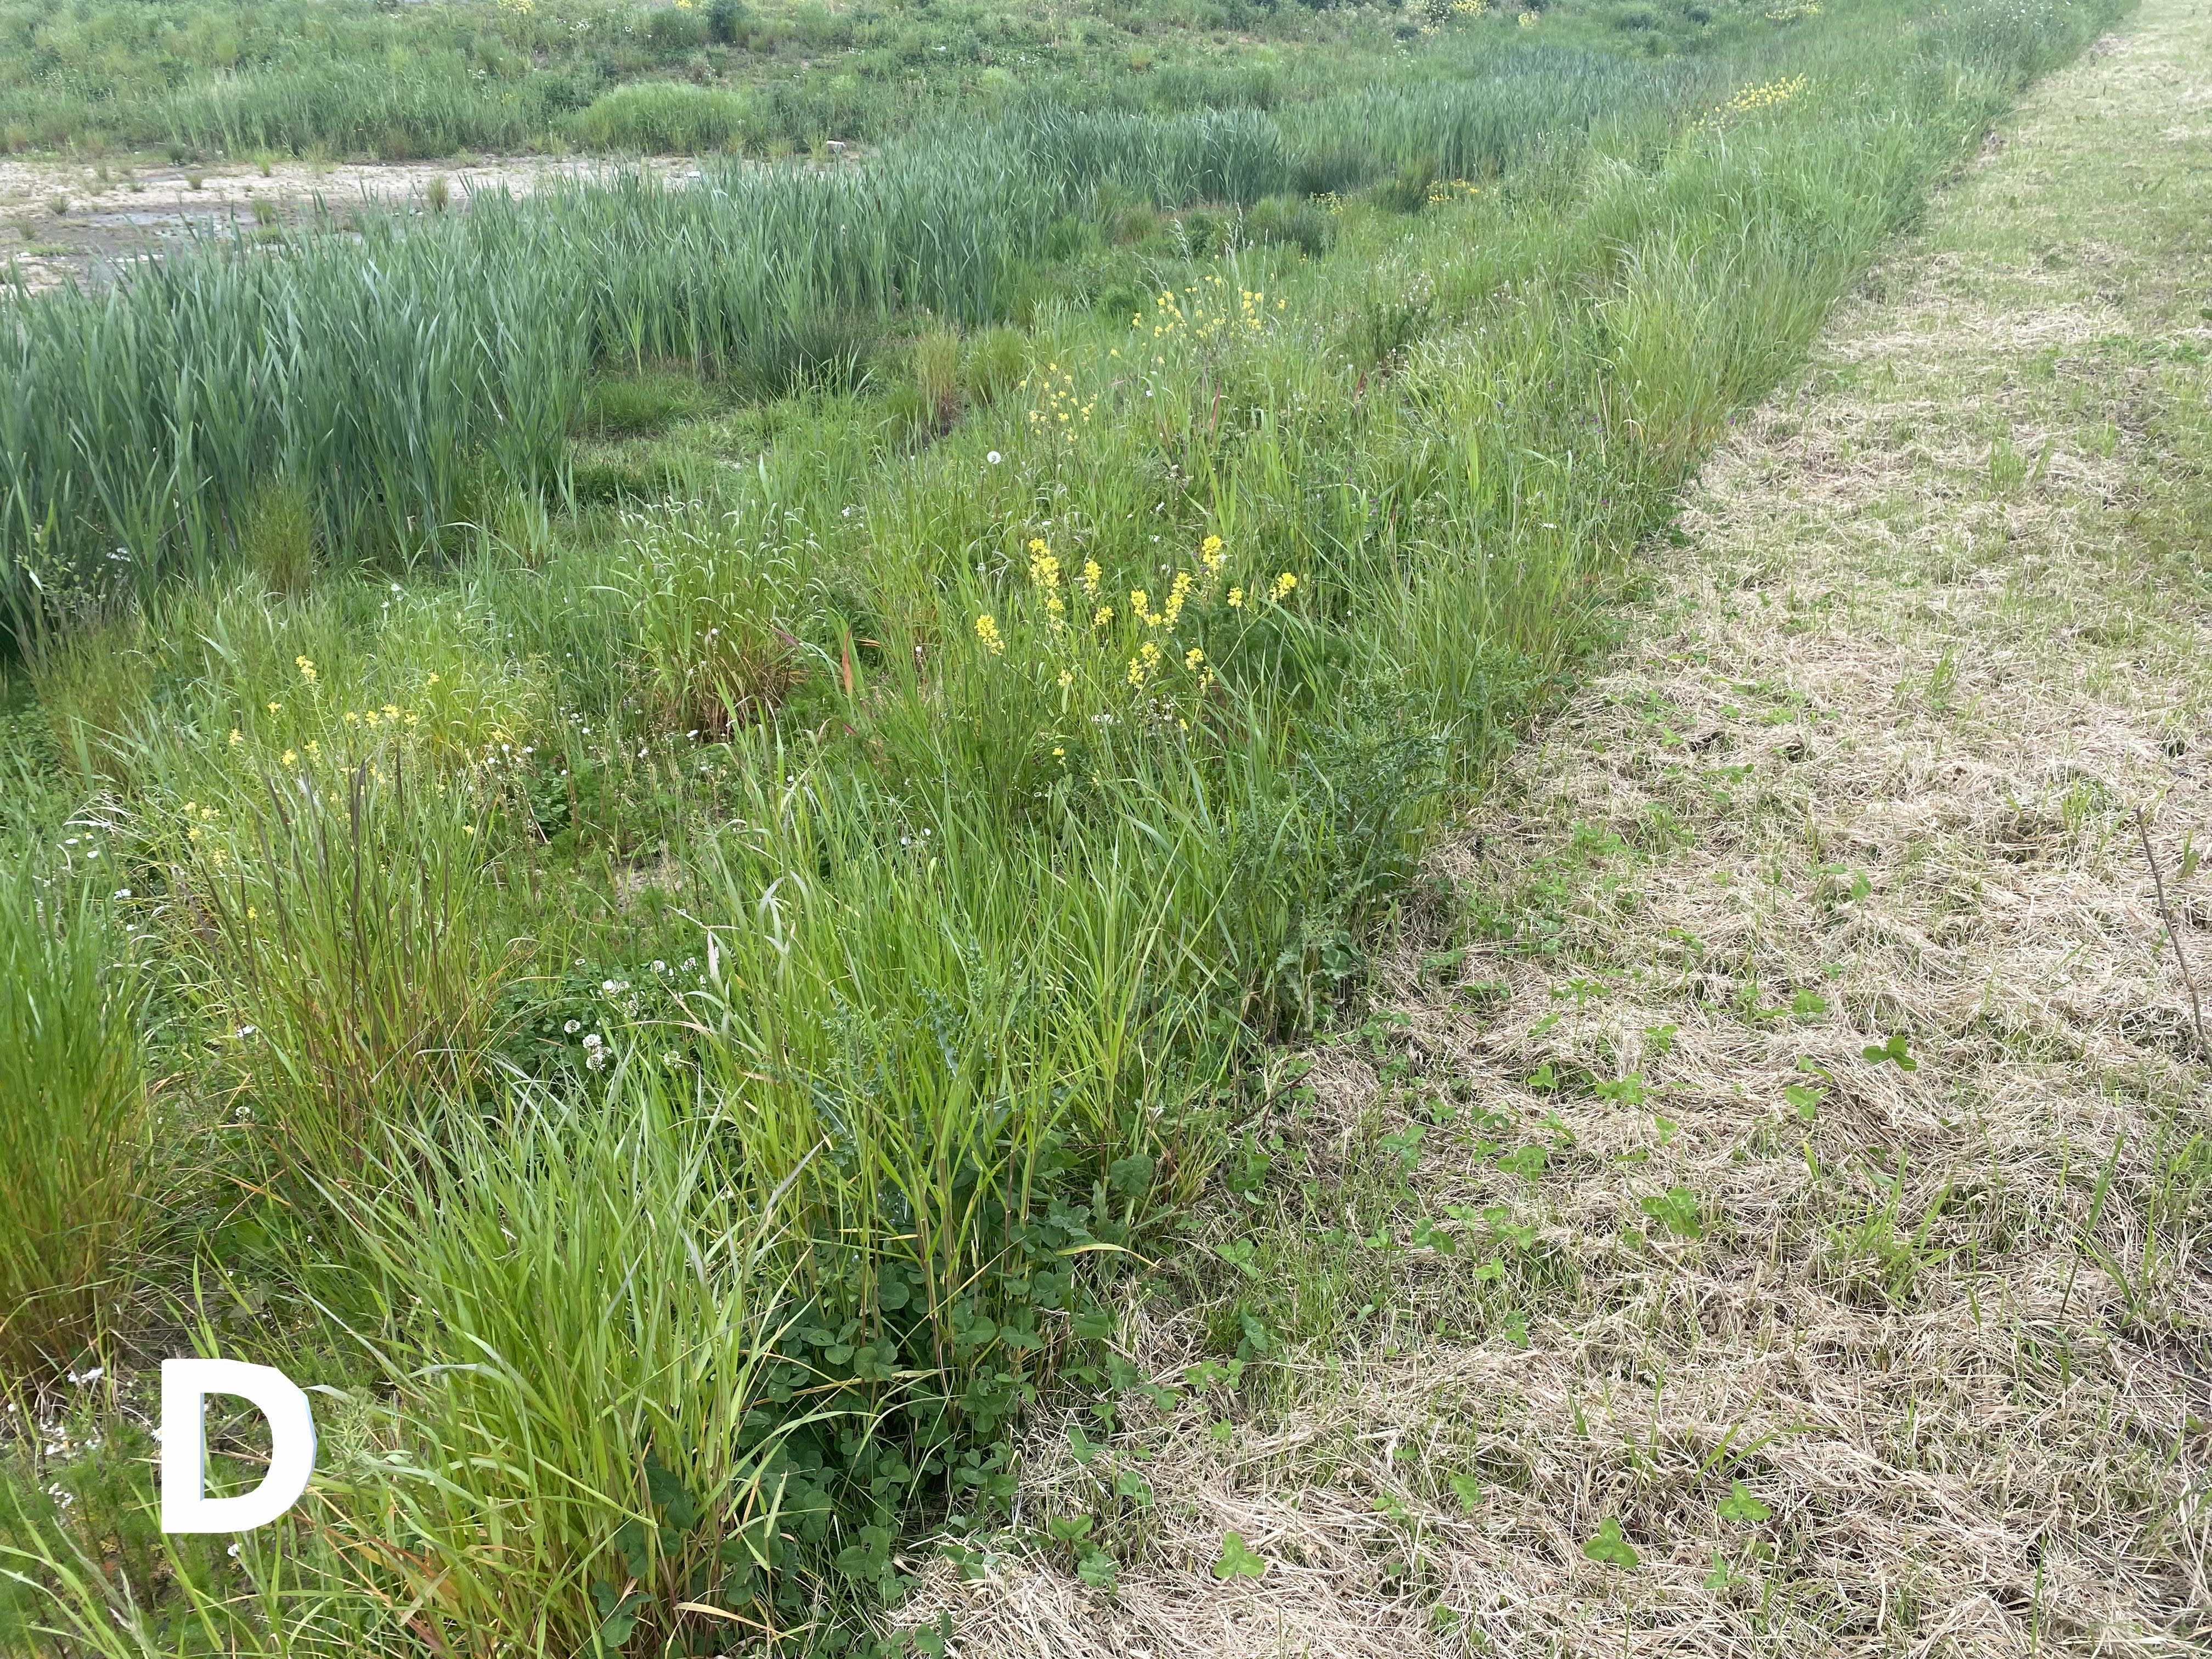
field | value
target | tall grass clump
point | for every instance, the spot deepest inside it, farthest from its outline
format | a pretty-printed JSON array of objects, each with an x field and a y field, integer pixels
[
  {"x": 277, "y": 538},
  {"x": 663, "y": 117},
  {"x": 574, "y": 1312},
  {"x": 580, "y": 1420},
  {"x": 713, "y": 614},
  {"x": 76, "y": 1130},
  {"x": 353, "y": 960}
]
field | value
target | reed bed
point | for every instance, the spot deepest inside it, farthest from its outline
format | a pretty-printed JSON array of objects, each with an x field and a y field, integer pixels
[{"x": 399, "y": 374}]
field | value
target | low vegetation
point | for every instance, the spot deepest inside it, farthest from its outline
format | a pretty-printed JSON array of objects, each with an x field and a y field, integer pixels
[
  {"x": 702, "y": 797},
  {"x": 206, "y": 79}
]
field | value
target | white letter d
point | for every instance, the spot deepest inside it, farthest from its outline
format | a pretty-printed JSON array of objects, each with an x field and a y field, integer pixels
[{"x": 185, "y": 1383}]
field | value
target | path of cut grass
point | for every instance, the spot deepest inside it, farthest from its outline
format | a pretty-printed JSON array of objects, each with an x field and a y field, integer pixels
[{"x": 1859, "y": 1356}]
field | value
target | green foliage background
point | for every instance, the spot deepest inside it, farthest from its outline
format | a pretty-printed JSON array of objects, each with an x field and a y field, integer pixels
[{"x": 708, "y": 792}]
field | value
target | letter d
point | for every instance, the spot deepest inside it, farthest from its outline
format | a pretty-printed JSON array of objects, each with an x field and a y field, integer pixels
[{"x": 185, "y": 1384}]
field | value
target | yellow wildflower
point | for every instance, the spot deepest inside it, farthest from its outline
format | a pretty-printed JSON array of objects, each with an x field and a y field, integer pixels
[
  {"x": 1283, "y": 584},
  {"x": 1102, "y": 616},
  {"x": 1091, "y": 575},
  {"x": 1192, "y": 658},
  {"x": 234, "y": 739},
  {"x": 986, "y": 629},
  {"x": 287, "y": 758},
  {"x": 1236, "y": 598},
  {"x": 1178, "y": 591}
]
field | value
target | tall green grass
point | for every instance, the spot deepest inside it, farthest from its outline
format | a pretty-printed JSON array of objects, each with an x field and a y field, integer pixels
[
  {"x": 353, "y": 958},
  {"x": 565, "y": 1325},
  {"x": 432, "y": 79},
  {"x": 76, "y": 1128},
  {"x": 391, "y": 376},
  {"x": 939, "y": 969}
]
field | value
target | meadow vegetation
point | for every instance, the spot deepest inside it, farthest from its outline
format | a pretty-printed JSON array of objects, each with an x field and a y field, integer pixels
[
  {"x": 205, "y": 79},
  {"x": 683, "y": 807}
]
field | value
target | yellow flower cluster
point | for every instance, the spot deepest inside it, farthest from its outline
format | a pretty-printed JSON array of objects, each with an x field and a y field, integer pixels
[
  {"x": 1470, "y": 8},
  {"x": 1132, "y": 650},
  {"x": 1751, "y": 99},
  {"x": 197, "y": 818},
  {"x": 1452, "y": 190},
  {"x": 1044, "y": 576},
  {"x": 1054, "y": 409},
  {"x": 1205, "y": 312},
  {"x": 472, "y": 726},
  {"x": 1528, "y": 19}
]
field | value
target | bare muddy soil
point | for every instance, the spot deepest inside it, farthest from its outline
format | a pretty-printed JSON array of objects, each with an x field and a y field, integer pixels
[{"x": 60, "y": 221}]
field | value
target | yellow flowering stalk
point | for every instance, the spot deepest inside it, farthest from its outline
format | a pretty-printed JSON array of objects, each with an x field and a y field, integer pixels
[
  {"x": 1132, "y": 668},
  {"x": 1206, "y": 314}
]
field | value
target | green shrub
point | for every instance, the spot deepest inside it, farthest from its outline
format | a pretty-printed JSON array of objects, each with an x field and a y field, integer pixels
[
  {"x": 663, "y": 118},
  {"x": 728, "y": 22}
]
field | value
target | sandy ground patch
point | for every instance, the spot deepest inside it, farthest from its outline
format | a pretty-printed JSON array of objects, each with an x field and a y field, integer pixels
[{"x": 60, "y": 220}]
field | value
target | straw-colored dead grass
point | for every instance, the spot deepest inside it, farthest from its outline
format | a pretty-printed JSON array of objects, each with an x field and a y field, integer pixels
[{"x": 1879, "y": 737}]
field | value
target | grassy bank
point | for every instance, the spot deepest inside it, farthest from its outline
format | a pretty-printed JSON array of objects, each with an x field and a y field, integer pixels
[
  {"x": 684, "y": 957},
  {"x": 1758, "y": 1203},
  {"x": 205, "y": 79}
]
